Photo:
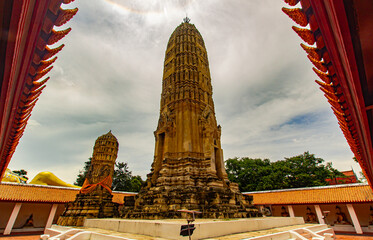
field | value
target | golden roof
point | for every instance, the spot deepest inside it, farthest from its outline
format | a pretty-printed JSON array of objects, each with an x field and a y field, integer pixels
[
  {"x": 347, "y": 193},
  {"x": 47, "y": 194}
]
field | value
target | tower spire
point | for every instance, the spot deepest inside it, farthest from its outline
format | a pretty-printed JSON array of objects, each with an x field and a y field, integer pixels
[{"x": 186, "y": 19}]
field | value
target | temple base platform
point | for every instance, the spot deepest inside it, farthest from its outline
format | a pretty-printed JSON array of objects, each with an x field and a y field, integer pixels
[
  {"x": 164, "y": 202},
  {"x": 205, "y": 228}
]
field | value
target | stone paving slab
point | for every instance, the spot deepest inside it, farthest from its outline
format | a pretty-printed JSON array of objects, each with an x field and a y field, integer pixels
[
  {"x": 260, "y": 233},
  {"x": 21, "y": 237},
  {"x": 353, "y": 237}
]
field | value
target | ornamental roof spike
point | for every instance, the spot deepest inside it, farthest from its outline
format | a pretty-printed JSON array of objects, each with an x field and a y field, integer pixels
[
  {"x": 31, "y": 103},
  {"x": 23, "y": 126},
  {"x": 338, "y": 112},
  {"x": 64, "y": 16},
  {"x": 24, "y": 121},
  {"x": 318, "y": 64},
  {"x": 330, "y": 94},
  {"x": 313, "y": 52},
  {"x": 336, "y": 105},
  {"x": 33, "y": 97},
  {"x": 331, "y": 98},
  {"x": 323, "y": 76},
  {"x": 305, "y": 34},
  {"x": 48, "y": 52},
  {"x": 29, "y": 109},
  {"x": 23, "y": 116},
  {"x": 350, "y": 140},
  {"x": 36, "y": 84},
  {"x": 292, "y": 2},
  {"x": 18, "y": 129},
  {"x": 26, "y": 102},
  {"x": 15, "y": 130},
  {"x": 37, "y": 90},
  {"x": 45, "y": 63},
  {"x": 329, "y": 91},
  {"x": 341, "y": 126},
  {"x": 328, "y": 87},
  {"x": 42, "y": 73},
  {"x": 55, "y": 36},
  {"x": 297, "y": 15},
  {"x": 339, "y": 118},
  {"x": 23, "y": 111},
  {"x": 344, "y": 128},
  {"x": 17, "y": 137}
]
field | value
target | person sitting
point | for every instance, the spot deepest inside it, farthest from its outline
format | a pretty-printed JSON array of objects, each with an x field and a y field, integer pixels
[
  {"x": 310, "y": 216},
  {"x": 284, "y": 213},
  {"x": 341, "y": 217}
]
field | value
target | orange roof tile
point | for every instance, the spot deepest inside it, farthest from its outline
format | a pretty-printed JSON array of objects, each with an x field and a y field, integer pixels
[
  {"x": 51, "y": 194},
  {"x": 348, "y": 193}
]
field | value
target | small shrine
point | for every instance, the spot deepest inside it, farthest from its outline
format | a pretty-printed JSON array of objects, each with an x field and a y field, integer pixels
[{"x": 94, "y": 199}]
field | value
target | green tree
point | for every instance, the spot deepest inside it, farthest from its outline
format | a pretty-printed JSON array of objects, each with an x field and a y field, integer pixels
[
  {"x": 247, "y": 171},
  {"x": 82, "y": 173},
  {"x": 303, "y": 170},
  {"x": 122, "y": 177},
  {"x": 136, "y": 183}
]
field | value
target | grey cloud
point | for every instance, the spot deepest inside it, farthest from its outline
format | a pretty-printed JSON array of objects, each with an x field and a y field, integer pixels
[{"x": 109, "y": 76}]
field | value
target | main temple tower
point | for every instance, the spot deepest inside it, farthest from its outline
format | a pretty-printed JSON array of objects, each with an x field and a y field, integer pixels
[
  {"x": 187, "y": 139},
  {"x": 188, "y": 170}
]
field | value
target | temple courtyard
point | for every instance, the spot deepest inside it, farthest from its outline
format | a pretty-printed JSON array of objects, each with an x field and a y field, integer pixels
[{"x": 188, "y": 176}]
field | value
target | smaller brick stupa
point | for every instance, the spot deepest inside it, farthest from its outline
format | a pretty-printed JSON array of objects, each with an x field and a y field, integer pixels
[{"x": 95, "y": 199}]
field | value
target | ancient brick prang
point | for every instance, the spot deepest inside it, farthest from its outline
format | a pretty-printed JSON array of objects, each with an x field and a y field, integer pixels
[
  {"x": 95, "y": 199},
  {"x": 188, "y": 170}
]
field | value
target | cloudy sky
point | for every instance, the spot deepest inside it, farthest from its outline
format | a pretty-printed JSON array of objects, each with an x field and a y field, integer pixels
[{"x": 108, "y": 77}]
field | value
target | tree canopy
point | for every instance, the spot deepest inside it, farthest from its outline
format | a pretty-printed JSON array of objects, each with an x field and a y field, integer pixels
[
  {"x": 304, "y": 170},
  {"x": 122, "y": 177},
  {"x": 82, "y": 173}
]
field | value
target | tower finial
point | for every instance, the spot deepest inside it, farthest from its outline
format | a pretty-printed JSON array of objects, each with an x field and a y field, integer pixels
[{"x": 186, "y": 19}]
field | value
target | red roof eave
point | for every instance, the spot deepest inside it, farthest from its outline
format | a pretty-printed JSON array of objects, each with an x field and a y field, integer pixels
[
  {"x": 26, "y": 51},
  {"x": 337, "y": 60},
  {"x": 333, "y": 24}
]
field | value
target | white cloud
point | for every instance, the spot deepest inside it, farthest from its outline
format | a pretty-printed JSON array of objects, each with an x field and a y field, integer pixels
[{"x": 109, "y": 76}]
